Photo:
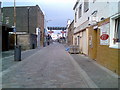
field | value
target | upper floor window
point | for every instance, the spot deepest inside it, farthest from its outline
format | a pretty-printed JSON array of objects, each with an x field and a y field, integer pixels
[
  {"x": 117, "y": 30},
  {"x": 86, "y": 5},
  {"x": 6, "y": 20},
  {"x": 94, "y": 1},
  {"x": 80, "y": 10},
  {"x": 75, "y": 17}
]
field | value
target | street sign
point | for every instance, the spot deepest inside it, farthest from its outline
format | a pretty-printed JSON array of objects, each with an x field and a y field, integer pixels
[{"x": 14, "y": 29}]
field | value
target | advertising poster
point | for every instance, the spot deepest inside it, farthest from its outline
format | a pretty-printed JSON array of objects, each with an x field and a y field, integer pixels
[{"x": 104, "y": 33}]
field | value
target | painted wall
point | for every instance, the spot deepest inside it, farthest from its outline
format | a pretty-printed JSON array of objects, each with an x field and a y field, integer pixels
[
  {"x": 85, "y": 42},
  {"x": 103, "y": 54},
  {"x": 82, "y": 41},
  {"x": 104, "y": 9}
]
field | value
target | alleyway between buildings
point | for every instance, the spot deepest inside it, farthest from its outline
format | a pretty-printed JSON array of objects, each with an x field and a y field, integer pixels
[{"x": 53, "y": 67}]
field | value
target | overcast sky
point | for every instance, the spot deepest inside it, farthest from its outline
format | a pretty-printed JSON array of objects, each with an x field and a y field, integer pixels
[{"x": 57, "y": 12}]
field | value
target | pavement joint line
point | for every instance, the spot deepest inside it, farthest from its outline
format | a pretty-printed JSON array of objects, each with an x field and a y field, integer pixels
[
  {"x": 16, "y": 65},
  {"x": 83, "y": 74},
  {"x": 71, "y": 82},
  {"x": 102, "y": 67}
]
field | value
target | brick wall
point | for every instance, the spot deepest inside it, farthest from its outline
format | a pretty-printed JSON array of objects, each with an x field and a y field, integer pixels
[
  {"x": 24, "y": 18},
  {"x": 40, "y": 21},
  {"x": 70, "y": 34},
  {"x": 33, "y": 15}
]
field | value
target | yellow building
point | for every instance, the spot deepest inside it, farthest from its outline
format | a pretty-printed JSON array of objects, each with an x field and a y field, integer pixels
[
  {"x": 99, "y": 47},
  {"x": 97, "y": 31}
]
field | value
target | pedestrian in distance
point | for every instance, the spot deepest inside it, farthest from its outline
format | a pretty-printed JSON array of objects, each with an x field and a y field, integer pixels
[{"x": 48, "y": 39}]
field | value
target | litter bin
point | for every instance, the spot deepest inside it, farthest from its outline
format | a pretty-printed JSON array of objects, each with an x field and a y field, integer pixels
[
  {"x": 17, "y": 53},
  {"x": 44, "y": 44},
  {"x": 33, "y": 46}
]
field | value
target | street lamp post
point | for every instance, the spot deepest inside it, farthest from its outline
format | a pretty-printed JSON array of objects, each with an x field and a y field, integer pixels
[
  {"x": 15, "y": 22},
  {"x": 28, "y": 18},
  {"x": 17, "y": 49}
]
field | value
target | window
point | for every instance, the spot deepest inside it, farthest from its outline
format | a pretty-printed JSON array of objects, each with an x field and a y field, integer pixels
[
  {"x": 80, "y": 10},
  {"x": 75, "y": 17},
  {"x": 6, "y": 20},
  {"x": 94, "y": 1},
  {"x": 117, "y": 30},
  {"x": 86, "y": 5}
]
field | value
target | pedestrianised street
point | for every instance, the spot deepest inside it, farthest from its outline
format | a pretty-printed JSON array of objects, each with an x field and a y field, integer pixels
[
  {"x": 59, "y": 44},
  {"x": 53, "y": 67}
]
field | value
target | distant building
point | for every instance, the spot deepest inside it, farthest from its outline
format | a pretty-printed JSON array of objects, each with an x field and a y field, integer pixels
[
  {"x": 29, "y": 21},
  {"x": 70, "y": 33},
  {"x": 97, "y": 31}
]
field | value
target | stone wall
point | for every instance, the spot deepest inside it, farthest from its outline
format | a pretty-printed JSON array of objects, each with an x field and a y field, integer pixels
[
  {"x": 24, "y": 41},
  {"x": 28, "y": 41}
]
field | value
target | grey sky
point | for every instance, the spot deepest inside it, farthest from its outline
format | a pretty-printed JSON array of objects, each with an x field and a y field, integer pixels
[{"x": 58, "y": 11}]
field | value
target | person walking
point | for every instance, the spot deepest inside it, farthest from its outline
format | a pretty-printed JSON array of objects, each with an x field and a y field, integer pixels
[{"x": 48, "y": 39}]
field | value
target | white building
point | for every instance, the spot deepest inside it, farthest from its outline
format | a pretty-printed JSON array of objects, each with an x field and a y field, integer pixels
[{"x": 90, "y": 12}]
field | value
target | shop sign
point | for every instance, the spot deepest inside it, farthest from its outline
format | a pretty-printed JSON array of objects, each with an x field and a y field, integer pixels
[
  {"x": 104, "y": 33},
  {"x": 51, "y": 31},
  {"x": 63, "y": 31},
  {"x": 104, "y": 36}
]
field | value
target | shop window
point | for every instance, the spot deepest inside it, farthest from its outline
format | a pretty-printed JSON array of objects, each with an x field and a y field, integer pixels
[
  {"x": 75, "y": 17},
  {"x": 117, "y": 31}
]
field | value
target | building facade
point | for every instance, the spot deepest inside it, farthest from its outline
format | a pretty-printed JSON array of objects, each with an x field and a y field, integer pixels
[
  {"x": 80, "y": 24},
  {"x": 0, "y": 30},
  {"x": 70, "y": 33},
  {"x": 98, "y": 27},
  {"x": 28, "y": 20}
]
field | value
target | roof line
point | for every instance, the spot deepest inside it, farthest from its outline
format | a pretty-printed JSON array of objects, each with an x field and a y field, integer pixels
[{"x": 75, "y": 4}]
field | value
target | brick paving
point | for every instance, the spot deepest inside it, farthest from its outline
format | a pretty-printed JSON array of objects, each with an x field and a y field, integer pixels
[
  {"x": 101, "y": 76},
  {"x": 53, "y": 67},
  {"x": 8, "y": 57},
  {"x": 48, "y": 68}
]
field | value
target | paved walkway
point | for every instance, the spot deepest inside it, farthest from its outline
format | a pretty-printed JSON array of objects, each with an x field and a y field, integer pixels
[
  {"x": 8, "y": 57},
  {"x": 100, "y": 75},
  {"x": 50, "y": 67}
]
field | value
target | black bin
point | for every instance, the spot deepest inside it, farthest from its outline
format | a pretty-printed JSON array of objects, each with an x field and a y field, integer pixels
[
  {"x": 44, "y": 44},
  {"x": 33, "y": 46},
  {"x": 17, "y": 53}
]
